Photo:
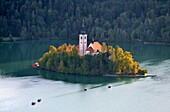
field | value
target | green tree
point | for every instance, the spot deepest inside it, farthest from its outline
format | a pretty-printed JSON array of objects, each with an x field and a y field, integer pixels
[
  {"x": 61, "y": 66},
  {"x": 24, "y": 33}
]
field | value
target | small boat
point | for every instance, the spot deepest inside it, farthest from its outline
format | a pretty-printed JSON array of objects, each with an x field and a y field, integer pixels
[
  {"x": 109, "y": 86},
  {"x": 35, "y": 65},
  {"x": 33, "y": 103},
  {"x": 85, "y": 89},
  {"x": 39, "y": 100}
]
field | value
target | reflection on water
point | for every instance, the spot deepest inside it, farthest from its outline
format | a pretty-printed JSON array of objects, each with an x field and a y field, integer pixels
[
  {"x": 26, "y": 50},
  {"x": 143, "y": 52},
  {"x": 81, "y": 78},
  {"x": 17, "y": 58}
]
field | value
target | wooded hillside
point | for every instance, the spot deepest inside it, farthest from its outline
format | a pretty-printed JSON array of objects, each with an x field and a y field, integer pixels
[{"x": 114, "y": 20}]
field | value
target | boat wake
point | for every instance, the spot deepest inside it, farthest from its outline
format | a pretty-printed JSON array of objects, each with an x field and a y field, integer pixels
[{"x": 159, "y": 67}]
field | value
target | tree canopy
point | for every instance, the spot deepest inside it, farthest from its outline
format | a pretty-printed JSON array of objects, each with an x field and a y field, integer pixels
[{"x": 114, "y": 20}]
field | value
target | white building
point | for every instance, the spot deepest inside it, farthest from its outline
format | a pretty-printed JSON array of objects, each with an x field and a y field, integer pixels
[
  {"x": 82, "y": 43},
  {"x": 93, "y": 48}
]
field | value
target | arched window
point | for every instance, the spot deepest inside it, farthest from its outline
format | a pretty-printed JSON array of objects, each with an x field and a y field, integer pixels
[{"x": 81, "y": 37}]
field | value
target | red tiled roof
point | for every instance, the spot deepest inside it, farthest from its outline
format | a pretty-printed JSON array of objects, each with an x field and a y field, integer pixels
[
  {"x": 77, "y": 46},
  {"x": 90, "y": 49},
  {"x": 97, "y": 46}
]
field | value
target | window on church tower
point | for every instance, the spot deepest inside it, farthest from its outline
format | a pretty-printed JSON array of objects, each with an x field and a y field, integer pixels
[{"x": 81, "y": 37}]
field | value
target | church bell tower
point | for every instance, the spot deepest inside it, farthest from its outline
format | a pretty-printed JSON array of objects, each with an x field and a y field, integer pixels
[{"x": 82, "y": 41}]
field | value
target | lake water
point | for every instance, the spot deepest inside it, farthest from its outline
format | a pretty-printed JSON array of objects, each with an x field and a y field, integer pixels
[{"x": 20, "y": 84}]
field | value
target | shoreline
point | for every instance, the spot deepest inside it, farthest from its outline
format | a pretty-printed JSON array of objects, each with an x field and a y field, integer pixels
[
  {"x": 16, "y": 39},
  {"x": 156, "y": 43},
  {"x": 105, "y": 75}
]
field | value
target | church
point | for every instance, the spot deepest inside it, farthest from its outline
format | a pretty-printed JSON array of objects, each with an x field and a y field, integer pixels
[{"x": 93, "y": 48}]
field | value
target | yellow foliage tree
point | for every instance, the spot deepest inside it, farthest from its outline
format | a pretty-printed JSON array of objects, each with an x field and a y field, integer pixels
[
  {"x": 74, "y": 51},
  {"x": 119, "y": 53},
  {"x": 62, "y": 48},
  {"x": 111, "y": 52},
  {"x": 119, "y": 60},
  {"x": 135, "y": 67},
  {"x": 125, "y": 62},
  {"x": 104, "y": 47},
  {"x": 128, "y": 62},
  {"x": 52, "y": 49}
]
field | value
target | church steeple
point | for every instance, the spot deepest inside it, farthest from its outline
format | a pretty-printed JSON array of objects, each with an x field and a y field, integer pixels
[{"x": 83, "y": 30}]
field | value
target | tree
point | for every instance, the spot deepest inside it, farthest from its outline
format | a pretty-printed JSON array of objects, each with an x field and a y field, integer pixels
[
  {"x": 128, "y": 63},
  {"x": 111, "y": 52},
  {"x": 104, "y": 47},
  {"x": 42, "y": 61},
  {"x": 136, "y": 67},
  {"x": 24, "y": 33},
  {"x": 61, "y": 67},
  {"x": 52, "y": 49}
]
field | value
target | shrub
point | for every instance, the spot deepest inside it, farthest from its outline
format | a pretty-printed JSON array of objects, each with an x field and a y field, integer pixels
[{"x": 142, "y": 71}]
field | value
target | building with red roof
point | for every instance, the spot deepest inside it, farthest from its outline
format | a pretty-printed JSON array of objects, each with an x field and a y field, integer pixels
[{"x": 93, "y": 48}]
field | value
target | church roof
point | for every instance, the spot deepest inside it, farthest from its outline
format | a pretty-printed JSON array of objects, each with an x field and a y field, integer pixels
[
  {"x": 77, "y": 46},
  {"x": 90, "y": 49},
  {"x": 96, "y": 46}
]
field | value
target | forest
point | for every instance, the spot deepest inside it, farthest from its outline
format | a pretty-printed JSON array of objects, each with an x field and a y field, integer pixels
[
  {"x": 66, "y": 59},
  {"x": 108, "y": 20}
]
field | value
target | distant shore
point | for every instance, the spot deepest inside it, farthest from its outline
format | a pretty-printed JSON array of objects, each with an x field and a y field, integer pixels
[
  {"x": 17, "y": 39},
  {"x": 157, "y": 43}
]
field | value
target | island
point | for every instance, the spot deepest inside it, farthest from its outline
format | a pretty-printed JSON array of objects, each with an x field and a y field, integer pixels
[
  {"x": 110, "y": 61},
  {"x": 90, "y": 59}
]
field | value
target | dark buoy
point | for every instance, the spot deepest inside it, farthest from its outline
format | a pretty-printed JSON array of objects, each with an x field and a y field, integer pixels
[
  {"x": 109, "y": 86},
  {"x": 85, "y": 89},
  {"x": 33, "y": 103},
  {"x": 39, "y": 100}
]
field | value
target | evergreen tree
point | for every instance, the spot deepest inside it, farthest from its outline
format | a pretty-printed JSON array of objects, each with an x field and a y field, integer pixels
[{"x": 112, "y": 20}]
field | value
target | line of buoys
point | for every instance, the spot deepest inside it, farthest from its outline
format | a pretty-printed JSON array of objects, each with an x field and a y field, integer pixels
[
  {"x": 109, "y": 86},
  {"x": 33, "y": 103},
  {"x": 39, "y": 100}
]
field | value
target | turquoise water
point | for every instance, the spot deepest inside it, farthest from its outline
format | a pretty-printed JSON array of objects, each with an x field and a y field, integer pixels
[{"x": 20, "y": 84}]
